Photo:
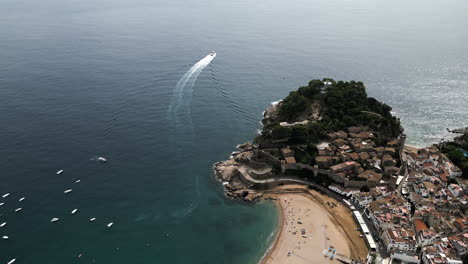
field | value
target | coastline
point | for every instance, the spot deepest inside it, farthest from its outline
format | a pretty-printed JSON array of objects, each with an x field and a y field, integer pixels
[
  {"x": 278, "y": 231},
  {"x": 302, "y": 202},
  {"x": 313, "y": 227}
]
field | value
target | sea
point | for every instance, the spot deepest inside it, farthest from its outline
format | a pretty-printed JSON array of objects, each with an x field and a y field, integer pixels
[{"x": 135, "y": 82}]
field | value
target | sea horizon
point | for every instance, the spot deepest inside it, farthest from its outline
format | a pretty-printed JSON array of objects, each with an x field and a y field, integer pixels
[{"x": 133, "y": 82}]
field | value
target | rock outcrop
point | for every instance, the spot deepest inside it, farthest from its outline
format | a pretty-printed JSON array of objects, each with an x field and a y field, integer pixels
[
  {"x": 228, "y": 172},
  {"x": 271, "y": 114}
]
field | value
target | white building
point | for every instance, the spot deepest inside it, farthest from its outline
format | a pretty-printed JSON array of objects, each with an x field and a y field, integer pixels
[
  {"x": 362, "y": 199},
  {"x": 453, "y": 170},
  {"x": 342, "y": 190},
  {"x": 399, "y": 239},
  {"x": 456, "y": 190},
  {"x": 405, "y": 256},
  {"x": 439, "y": 259}
]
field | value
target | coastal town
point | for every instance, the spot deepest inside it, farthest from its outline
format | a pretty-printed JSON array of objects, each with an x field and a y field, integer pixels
[{"x": 409, "y": 204}]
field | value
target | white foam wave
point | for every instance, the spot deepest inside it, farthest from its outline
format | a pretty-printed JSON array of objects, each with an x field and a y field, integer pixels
[{"x": 276, "y": 102}]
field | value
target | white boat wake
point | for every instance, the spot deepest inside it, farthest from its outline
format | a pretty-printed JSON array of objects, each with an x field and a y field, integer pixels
[
  {"x": 180, "y": 120},
  {"x": 184, "y": 87}
]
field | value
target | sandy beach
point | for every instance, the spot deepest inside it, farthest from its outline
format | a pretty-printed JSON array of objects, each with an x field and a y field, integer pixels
[{"x": 309, "y": 225}]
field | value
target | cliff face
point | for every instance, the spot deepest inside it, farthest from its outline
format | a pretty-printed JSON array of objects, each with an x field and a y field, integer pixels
[{"x": 271, "y": 114}]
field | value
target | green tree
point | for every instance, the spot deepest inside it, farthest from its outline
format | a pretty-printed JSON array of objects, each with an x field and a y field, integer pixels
[
  {"x": 456, "y": 156},
  {"x": 312, "y": 89},
  {"x": 280, "y": 132},
  {"x": 312, "y": 150},
  {"x": 299, "y": 134},
  {"x": 293, "y": 105}
]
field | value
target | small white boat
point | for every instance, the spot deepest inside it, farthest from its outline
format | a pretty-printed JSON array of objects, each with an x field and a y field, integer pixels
[
  {"x": 102, "y": 159},
  {"x": 21, "y": 199},
  {"x": 53, "y": 220},
  {"x": 59, "y": 172},
  {"x": 92, "y": 219},
  {"x": 6, "y": 195},
  {"x": 5, "y": 237},
  {"x": 68, "y": 191},
  {"x": 1, "y": 204},
  {"x": 11, "y": 261},
  {"x": 77, "y": 181},
  {"x": 74, "y": 211},
  {"x": 18, "y": 209},
  {"x": 110, "y": 224},
  {"x": 3, "y": 224}
]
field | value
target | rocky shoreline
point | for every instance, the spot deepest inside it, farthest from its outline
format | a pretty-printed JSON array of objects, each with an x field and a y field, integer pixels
[
  {"x": 228, "y": 173},
  {"x": 462, "y": 130},
  {"x": 288, "y": 142}
]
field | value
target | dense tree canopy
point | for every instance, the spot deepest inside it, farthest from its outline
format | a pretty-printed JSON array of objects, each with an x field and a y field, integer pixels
[
  {"x": 294, "y": 104},
  {"x": 454, "y": 151},
  {"x": 342, "y": 104}
]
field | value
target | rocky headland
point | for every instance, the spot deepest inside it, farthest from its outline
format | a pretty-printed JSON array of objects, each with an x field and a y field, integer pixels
[
  {"x": 331, "y": 138},
  {"x": 292, "y": 130}
]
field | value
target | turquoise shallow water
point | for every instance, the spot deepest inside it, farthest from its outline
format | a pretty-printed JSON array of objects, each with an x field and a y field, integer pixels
[{"x": 86, "y": 78}]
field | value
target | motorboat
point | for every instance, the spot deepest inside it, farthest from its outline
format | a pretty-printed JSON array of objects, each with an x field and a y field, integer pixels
[
  {"x": 5, "y": 237},
  {"x": 102, "y": 159},
  {"x": 110, "y": 224},
  {"x": 74, "y": 211},
  {"x": 11, "y": 261},
  {"x": 5, "y": 195},
  {"x": 1, "y": 204},
  {"x": 79, "y": 255},
  {"x": 3, "y": 224},
  {"x": 59, "y": 172},
  {"x": 53, "y": 220},
  {"x": 92, "y": 219},
  {"x": 21, "y": 199},
  {"x": 68, "y": 191},
  {"x": 77, "y": 181},
  {"x": 18, "y": 209}
]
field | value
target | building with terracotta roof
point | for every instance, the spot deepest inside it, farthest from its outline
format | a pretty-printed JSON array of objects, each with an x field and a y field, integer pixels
[
  {"x": 371, "y": 175},
  {"x": 287, "y": 152},
  {"x": 399, "y": 238},
  {"x": 419, "y": 225},
  {"x": 290, "y": 160},
  {"x": 462, "y": 224}
]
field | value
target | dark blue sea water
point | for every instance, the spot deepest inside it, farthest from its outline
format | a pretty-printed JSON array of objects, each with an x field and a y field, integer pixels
[{"x": 109, "y": 78}]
